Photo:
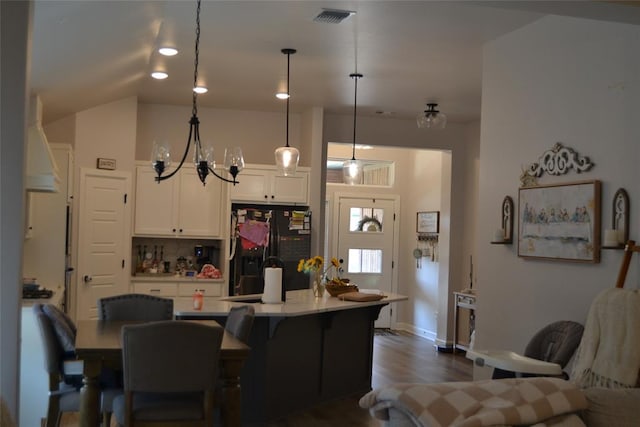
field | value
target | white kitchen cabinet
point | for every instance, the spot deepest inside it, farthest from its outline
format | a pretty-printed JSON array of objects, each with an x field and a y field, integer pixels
[
  {"x": 182, "y": 290},
  {"x": 160, "y": 289},
  {"x": 265, "y": 184},
  {"x": 177, "y": 207}
]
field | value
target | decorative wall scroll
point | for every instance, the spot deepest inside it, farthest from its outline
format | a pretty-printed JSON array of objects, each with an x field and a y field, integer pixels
[
  {"x": 560, "y": 222},
  {"x": 504, "y": 235},
  {"x": 559, "y": 160}
]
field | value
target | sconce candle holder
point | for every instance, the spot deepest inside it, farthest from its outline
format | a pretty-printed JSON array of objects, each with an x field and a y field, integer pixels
[
  {"x": 619, "y": 232},
  {"x": 504, "y": 235}
]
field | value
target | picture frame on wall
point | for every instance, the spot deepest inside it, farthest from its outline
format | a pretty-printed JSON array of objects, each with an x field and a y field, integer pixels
[
  {"x": 560, "y": 221},
  {"x": 428, "y": 222}
]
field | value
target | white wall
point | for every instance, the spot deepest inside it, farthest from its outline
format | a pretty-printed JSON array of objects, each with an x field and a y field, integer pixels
[
  {"x": 108, "y": 131},
  {"x": 558, "y": 79},
  {"x": 62, "y": 131}
]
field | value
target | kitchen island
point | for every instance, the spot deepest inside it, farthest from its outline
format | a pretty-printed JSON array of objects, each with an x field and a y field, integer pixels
[{"x": 303, "y": 352}]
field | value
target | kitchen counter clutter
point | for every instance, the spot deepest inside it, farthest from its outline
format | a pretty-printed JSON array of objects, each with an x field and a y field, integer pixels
[
  {"x": 299, "y": 303},
  {"x": 304, "y": 351}
]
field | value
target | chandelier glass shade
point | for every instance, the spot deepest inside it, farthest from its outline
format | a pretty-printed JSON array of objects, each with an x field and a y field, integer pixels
[
  {"x": 202, "y": 154},
  {"x": 352, "y": 169},
  {"x": 431, "y": 118},
  {"x": 287, "y": 157}
]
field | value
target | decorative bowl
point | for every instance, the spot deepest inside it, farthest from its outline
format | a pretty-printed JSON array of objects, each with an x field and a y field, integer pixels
[{"x": 336, "y": 289}]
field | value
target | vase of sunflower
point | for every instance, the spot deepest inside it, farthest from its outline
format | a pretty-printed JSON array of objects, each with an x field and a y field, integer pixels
[{"x": 315, "y": 266}]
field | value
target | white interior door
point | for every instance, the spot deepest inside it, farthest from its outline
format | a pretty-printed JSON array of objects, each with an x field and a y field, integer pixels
[
  {"x": 365, "y": 241},
  {"x": 103, "y": 238}
]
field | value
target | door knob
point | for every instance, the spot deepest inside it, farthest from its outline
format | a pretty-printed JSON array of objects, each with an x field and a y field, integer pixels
[{"x": 87, "y": 279}]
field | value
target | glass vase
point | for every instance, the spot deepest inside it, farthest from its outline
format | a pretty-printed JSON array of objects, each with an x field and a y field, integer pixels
[{"x": 318, "y": 286}]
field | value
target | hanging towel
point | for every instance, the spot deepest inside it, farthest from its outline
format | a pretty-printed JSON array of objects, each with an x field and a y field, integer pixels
[
  {"x": 256, "y": 232},
  {"x": 609, "y": 353}
]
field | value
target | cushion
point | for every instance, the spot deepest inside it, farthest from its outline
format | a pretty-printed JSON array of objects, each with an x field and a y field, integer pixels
[
  {"x": 63, "y": 326},
  {"x": 611, "y": 407}
]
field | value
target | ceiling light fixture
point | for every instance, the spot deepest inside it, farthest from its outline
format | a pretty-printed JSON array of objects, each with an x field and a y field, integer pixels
[
  {"x": 200, "y": 89},
  {"x": 432, "y": 118},
  {"x": 352, "y": 169},
  {"x": 159, "y": 75},
  {"x": 282, "y": 95},
  {"x": 203, "y": 156},
  {"x": 168, "y": 51},
  {"x": 287, "y": 157}
]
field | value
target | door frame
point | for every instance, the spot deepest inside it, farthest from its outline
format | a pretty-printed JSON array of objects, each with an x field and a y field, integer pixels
[{"x": 334, "y": 203}]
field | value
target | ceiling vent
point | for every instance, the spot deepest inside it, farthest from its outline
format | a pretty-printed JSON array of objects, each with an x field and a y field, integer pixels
[{"x": 333, "y": 16}]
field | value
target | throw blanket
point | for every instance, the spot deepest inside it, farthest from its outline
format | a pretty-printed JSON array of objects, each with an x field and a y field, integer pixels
[
  {"x": 609, "y": 353},
  {"x": 513, "y": 401}
]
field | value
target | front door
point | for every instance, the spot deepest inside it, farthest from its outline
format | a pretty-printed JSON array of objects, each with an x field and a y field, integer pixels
[
  {"x": 366, "y": 229},
  {"x": 103, "y": 238}
]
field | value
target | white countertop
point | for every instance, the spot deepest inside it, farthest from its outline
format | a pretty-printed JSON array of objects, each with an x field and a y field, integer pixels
[{"x": 299, "y": 303}]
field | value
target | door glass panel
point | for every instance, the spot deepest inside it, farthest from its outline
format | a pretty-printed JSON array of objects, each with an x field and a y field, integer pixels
[
  {"x": 366, "y": 219},
  {"x": 365, "y": 261}
]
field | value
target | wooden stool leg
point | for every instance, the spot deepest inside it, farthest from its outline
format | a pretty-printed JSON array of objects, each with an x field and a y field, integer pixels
[{"x": 629, "y": 249}]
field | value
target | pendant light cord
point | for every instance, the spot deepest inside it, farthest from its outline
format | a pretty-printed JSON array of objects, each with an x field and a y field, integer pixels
[
  {"x": 194, "y": 109},
  {"x": 355, "y": 76},
  {"x": 288, "y": 95}
]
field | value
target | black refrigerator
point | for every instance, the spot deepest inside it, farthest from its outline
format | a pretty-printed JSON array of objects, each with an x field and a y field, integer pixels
[{"x": 278, "y": 234}]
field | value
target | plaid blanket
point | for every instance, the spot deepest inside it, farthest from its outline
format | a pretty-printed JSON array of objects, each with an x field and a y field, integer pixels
[{"x": 513, "y": 401}]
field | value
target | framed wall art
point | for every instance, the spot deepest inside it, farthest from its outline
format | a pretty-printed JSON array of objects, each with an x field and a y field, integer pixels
[
  {"x": 428, "y": 222},
  {"x": 560, "y": 222}
]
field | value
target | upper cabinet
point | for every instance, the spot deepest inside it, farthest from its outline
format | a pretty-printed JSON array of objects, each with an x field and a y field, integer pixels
[
  {"x": 265, "y": 184},
  {"x": 178, "y": 207}
]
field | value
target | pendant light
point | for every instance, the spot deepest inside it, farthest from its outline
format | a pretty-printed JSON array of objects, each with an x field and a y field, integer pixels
[
  {"x": 287, "y": 157},
  {"x": 352, "y": 169},
  {"x": 431, "y": 118},
  {"x": 203, "y": 156}
]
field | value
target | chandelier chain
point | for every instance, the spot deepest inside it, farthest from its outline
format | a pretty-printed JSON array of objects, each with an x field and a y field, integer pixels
[{"x": 194, "y": 109}]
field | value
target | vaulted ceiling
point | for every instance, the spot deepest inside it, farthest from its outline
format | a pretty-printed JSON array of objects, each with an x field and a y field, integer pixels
[{"x": 85, "y": 53}]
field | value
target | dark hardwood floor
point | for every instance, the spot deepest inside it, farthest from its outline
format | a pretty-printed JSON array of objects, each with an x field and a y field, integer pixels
[{"x": 398, "y": 357}]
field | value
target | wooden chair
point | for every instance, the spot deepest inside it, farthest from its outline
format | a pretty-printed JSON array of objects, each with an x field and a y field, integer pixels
[
  {"x": 170, "y": 373},
  {"x": 135, "y": 307},
  {"x": 240, "y": 321}
]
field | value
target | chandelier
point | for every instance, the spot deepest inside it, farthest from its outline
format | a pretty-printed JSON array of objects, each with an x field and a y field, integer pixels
[
  {"x": 203, "y": 155},
  {"x": 432, "y": 118}
]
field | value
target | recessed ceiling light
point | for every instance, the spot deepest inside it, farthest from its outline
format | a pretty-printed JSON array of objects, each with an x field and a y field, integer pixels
[
  {"x": 200, "y": 89},
  {"x": 159, "y": 75},
  {"x": 168, "y": 51},
  {"x": 282, "y": 95}
]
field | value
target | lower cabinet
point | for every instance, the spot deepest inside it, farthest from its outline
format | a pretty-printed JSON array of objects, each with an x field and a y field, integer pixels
[{"x": 180, "y": 290}]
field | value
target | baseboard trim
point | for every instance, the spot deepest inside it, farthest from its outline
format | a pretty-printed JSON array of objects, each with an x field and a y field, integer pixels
[{"x": 419, "y": 332}]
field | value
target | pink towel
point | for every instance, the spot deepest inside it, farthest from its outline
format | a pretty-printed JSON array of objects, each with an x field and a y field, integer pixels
[{"x": 256, "y": 232}]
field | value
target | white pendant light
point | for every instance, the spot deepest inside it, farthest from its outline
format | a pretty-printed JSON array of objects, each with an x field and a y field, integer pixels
[
  {"x": 431, "y": 118},
  {"x": 203, "y": 155},
  {"x": 287, "y": 157},
  {"x": 352, "y": 169}
]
